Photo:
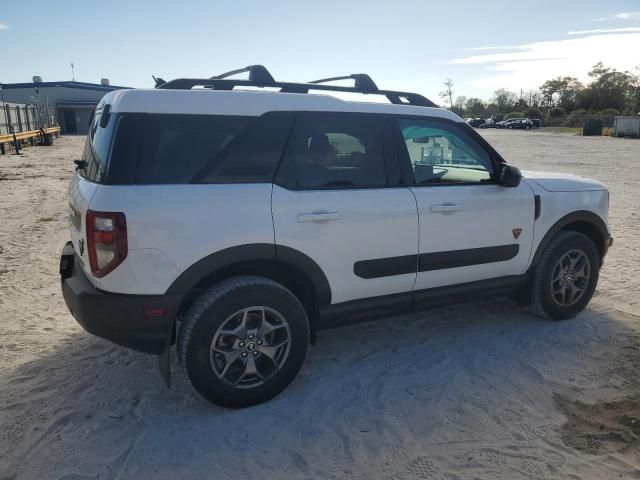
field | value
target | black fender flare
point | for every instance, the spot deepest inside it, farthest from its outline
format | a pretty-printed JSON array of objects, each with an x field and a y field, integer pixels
[
  {"x": 254, "y": 251},
  {"x": 584, "y": 216}
]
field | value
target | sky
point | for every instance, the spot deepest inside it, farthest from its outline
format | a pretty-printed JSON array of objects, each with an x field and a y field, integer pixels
[{"x": 408, "y": 45}]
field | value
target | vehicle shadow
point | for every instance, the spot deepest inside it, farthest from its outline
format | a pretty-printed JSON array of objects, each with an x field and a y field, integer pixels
[{"x": 371, "y": 400}]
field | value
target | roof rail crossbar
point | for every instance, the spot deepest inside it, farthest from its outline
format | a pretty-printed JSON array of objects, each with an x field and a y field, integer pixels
[
  {"x": 257, "y": 74},
  {"x": 398, "y": 98},
  {"x": 362, "y": 81}
]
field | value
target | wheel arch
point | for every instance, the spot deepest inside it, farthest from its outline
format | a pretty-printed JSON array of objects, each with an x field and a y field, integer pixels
[
  {"x": 292, "y": 268},
  {"x": 582, "y": 221}
]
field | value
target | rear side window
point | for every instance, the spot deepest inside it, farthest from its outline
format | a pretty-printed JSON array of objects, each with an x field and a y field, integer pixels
[
  {"x": 96, "y": 148},
  {"x": 175, "y": 148},
  {"x": 329, "y": 150},
  {"x": 178, "y": 149}
]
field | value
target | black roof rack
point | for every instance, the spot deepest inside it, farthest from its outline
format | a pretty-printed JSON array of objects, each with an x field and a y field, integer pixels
[
  {"x": 362, "y": 81},
  {"x": 259, "y": 76},
  {"x": 257, "y": 73}
]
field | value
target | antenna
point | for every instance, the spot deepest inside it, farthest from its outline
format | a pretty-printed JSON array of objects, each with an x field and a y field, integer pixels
[
  {"x": 73, "y": 77},
  {"x": 159, "y": 81}
]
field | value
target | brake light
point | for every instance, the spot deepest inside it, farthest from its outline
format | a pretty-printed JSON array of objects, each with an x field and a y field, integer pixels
[{"x": 106, "y": 241}]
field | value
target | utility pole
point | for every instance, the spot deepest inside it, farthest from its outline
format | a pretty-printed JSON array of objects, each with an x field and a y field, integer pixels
[
  {"x": 73, "y": 76},
  {"x": 38, "y": 108}
]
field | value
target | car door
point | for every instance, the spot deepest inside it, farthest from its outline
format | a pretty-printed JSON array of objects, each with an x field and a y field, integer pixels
[
  {"x": 338, "y": 200},
  {"x": 471, "y": 227}
]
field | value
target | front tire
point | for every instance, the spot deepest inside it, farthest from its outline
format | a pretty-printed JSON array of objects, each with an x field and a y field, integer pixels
[
  {"x": 566, "y": 277},
  {"x": 243, "y": 341}
]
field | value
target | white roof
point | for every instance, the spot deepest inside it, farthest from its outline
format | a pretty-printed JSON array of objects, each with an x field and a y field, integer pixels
[{"x": 250, "y": 103}]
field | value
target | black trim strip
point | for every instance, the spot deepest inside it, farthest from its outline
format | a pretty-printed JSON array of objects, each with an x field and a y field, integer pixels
[
  {"x": 464, "y": 258},
  {"x": 387, "y": 267},
  {"x": 536, "y": 206},
  {"x": 365, "y": 309}
]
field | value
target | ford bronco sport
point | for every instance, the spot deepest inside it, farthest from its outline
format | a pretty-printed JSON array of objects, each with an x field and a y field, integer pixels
[{"x": 235, "y": 220}]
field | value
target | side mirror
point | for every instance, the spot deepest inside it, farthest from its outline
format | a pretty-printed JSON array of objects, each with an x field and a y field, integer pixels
[{"x": 510, "y": 176}]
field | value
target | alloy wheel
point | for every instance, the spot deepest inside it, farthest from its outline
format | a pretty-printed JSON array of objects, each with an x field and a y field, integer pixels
[
  {"x": 570, "y": 278},
  {"x": 250, "y": 346}
]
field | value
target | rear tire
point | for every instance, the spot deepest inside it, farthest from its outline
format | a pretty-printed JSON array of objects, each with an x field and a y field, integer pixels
[
  {"x": 566, "y": 276},
  {"x": 243, "y": 341}
]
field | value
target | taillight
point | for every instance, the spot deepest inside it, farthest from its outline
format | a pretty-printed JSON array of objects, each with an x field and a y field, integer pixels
[{"x": 106, "y": 241}]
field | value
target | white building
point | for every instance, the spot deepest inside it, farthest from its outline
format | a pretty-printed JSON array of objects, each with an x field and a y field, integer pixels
[{"x": 69, "y": 103}]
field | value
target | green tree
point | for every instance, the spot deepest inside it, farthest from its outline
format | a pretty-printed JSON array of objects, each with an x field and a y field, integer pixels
[
  {"x": 513, "y": 115},
  {"x": 458, "y": 105},
  {"x": 634, "y": 97},
  {"x": 561, "y": 92},
  {"x": 475, "y": 107},
  {"x": 609, "y": 89},
  {"x": 504, "y": 100},
  {"x": 533, "y": 98},
  {"x": 556, "y": 112},
  {"x": 533, "y": 112},
  {"x": 606, "y": 116},
  {"x": 577, "y": 118}
]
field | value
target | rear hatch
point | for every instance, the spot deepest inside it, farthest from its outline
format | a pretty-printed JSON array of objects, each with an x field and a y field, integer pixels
[{"x": 89, "y": 177}]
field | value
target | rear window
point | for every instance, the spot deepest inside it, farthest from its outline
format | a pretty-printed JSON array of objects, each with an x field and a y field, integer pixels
[
  {"x": 96, "y": 149},
  {"x": 178, "y": 149}
]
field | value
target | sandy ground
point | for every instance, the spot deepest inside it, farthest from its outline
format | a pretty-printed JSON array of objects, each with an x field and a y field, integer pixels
[{"x": 482, "y": 391}]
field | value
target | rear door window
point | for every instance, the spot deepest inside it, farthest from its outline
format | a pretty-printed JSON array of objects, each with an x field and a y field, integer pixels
[{"x": 334, "y": 150}]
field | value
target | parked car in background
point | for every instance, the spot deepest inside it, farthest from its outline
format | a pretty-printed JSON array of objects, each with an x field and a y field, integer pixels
[
  {"x": 475, "y": 122},
  {"x": 488, "y": 123},
  {"x": 519, "y": 123}
]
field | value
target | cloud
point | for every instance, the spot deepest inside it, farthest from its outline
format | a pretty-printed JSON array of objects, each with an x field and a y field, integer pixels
[
  {"x": 530, "y": 65},
  {"x": 619, "y": 16},
  {"x": 628, "y": 15},
  {"x": 604, "y": 30},
  {"x": 4, "y": 26},
  {"x": 494, "y": 48}
]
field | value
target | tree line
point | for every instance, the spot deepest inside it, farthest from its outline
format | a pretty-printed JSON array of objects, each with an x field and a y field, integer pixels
[{"x": 561, "y": 101}]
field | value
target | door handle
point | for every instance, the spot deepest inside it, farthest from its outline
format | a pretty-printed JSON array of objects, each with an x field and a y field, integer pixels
[
  {"x": 446, "y": 208},
  {"x": 317, "y": 217}
]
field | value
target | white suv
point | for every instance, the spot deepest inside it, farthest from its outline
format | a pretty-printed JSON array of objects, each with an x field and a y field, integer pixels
[{"x": 236, "y": 223}]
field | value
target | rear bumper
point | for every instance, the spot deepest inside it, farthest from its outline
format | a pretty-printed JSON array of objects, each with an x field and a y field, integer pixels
[{"x": 117, "y": 317}]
